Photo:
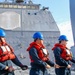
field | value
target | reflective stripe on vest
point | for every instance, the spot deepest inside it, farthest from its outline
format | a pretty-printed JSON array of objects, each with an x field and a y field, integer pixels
[
  {"x": 45, "y": 51},
  {"x": 66, "y": 54},
  {"x": 6, "y": 53},
  {"x": 5, "y": 48}
]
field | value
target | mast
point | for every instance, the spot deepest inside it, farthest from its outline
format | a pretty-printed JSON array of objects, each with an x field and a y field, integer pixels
[
  {"x": 5, "y": 0},
  {"x": 30, "y": 2},
  {"x": 72, "y": 16}
]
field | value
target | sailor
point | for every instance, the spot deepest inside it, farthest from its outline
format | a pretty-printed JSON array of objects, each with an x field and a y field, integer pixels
[
  {"x": 63, "y": 56},
  {"x": 6, "y": 56},
  {"x": 39, "y": 56}
]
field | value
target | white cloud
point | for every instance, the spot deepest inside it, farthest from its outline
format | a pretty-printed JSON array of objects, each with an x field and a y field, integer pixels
[{"x": 65, "y": 29}]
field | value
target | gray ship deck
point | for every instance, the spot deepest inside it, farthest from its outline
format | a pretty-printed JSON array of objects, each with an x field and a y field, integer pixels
[{"x": 26, "y": 72}]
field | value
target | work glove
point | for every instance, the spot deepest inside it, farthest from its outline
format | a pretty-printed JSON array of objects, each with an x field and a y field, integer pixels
[
  {"x": 10, "y": 69},
  {"x": 24, "y": 67}
]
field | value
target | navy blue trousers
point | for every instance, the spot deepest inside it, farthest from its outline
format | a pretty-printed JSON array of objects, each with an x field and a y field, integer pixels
[
  {"x": 38, "y": 71},
  {"x": 62, "y": 71}
]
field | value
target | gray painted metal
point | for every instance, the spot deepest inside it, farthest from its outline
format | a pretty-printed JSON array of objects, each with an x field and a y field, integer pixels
[
  {"x": 72, "y": 15},
  {"x": 27, "y": 22},
  {"x": 20, "y": 41},
  {"x": 31, "y": 19}
]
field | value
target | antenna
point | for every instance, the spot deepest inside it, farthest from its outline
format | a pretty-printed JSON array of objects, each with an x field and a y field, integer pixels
[
  {"x": 30, "y": 2},
  {"x": 5, "y": 0}
]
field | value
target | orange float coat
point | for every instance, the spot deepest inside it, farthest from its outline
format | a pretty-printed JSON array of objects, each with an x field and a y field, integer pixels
[
  {"x": 6, "y": 53},
  {"x": 42, "y": 52},
  {"x": 65, "y": 53}
]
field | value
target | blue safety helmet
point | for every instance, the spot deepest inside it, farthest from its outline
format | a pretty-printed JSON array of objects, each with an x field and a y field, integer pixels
[
  {"x": 63, "y": 37},
  {"x": 38, "y": 35},
  {"x": 2, "y": 33}
]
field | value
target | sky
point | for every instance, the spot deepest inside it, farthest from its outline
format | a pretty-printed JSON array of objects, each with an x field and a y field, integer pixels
[{"x": 61, "y": 14}]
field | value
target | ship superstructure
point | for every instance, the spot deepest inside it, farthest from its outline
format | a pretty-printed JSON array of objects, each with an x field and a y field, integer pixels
[{"x": 21, "y": 20}]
